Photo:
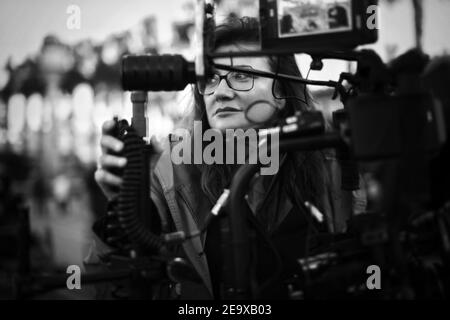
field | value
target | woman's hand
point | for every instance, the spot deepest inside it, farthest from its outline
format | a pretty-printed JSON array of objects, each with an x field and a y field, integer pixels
[{"x": 109, "y": 162}]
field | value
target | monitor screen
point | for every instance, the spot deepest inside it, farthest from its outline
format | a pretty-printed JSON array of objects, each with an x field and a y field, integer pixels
[{"x": 311, "y": 17}]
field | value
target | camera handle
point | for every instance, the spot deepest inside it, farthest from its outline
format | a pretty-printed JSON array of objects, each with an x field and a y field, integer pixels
[{"x": 139, "y": 120}]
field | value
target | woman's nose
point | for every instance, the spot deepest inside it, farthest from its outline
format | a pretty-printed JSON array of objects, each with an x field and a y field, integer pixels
[{"x": 223, "y": 90}]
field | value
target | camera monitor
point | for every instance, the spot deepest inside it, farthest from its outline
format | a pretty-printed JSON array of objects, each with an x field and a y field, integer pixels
[{"x": 303, "y": 25}]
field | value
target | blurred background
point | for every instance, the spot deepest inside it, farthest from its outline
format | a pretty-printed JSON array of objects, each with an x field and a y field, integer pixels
[{"x": 60, "y": 80}]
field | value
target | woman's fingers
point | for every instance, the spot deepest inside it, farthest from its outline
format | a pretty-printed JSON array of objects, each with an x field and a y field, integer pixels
[
  {"x": 110, "y": 161},
  {"x": 105, "y": 178},
  {"x": 109, "y": 143},
  {"x": 108, "y": 127}
]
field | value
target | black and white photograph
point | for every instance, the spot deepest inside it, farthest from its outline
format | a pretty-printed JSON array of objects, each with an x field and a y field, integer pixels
[{"x": 226, "y": 156}]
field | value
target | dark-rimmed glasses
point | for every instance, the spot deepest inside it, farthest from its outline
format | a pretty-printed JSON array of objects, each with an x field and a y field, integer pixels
[{"x": 236, "y": 80}]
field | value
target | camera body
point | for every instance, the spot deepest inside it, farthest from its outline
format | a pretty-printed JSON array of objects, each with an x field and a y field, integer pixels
[{"x": 299, "y": 25}]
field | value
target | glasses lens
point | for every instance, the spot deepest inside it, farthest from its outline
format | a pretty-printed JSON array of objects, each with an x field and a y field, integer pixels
[
  {"x": 260, "y": 112},
  {"x": 209, "y": 85},
  {"x": 236, "y": 80},
  {"x": 240, "y": 80}
]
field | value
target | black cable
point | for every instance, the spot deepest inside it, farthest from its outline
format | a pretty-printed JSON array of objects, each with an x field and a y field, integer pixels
[
  {"x": 306, "y": 249},
  {"x": 278, "y": 261},
  {"x": 305, "y": 87},
  {"x": 128, "y": 197},
  {"x": 242, "y": 177}
]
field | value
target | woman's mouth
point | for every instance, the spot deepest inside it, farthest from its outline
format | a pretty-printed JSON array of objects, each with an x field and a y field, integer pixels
[{"x": 225, "y": 111}]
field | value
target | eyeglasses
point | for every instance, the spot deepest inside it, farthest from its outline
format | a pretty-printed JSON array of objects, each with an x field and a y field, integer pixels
[{"x": 236, "y": 80}]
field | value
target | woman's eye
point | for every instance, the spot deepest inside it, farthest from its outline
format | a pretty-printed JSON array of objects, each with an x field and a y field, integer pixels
[
  {"x": 212, "y": 80},
  {"x": 241, "y": 76}
]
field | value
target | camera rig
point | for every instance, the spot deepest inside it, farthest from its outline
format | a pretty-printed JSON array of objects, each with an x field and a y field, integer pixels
[{"x": 390, "y": 127}]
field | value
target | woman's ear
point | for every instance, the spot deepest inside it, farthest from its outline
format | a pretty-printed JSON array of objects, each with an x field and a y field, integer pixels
[
  {"x": 280, "y": 103},
  {"x": 276, "y": 91}
]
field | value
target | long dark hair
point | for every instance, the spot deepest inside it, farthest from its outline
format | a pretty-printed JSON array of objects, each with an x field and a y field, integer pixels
[{"x": 301, "y": 174}]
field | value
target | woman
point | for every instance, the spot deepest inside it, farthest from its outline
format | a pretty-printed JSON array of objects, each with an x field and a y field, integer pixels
[{"x": 184, "y": 194}]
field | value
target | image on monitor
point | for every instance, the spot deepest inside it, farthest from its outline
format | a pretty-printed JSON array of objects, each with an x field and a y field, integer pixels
[{"x": 308, "y": 17}]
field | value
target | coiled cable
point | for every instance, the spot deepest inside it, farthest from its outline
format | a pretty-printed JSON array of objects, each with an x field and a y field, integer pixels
[{"x": 126, "y": 208}]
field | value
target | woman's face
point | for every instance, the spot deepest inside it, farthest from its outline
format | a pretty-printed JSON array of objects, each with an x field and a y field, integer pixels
[{"x": 226, "y": 107}]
